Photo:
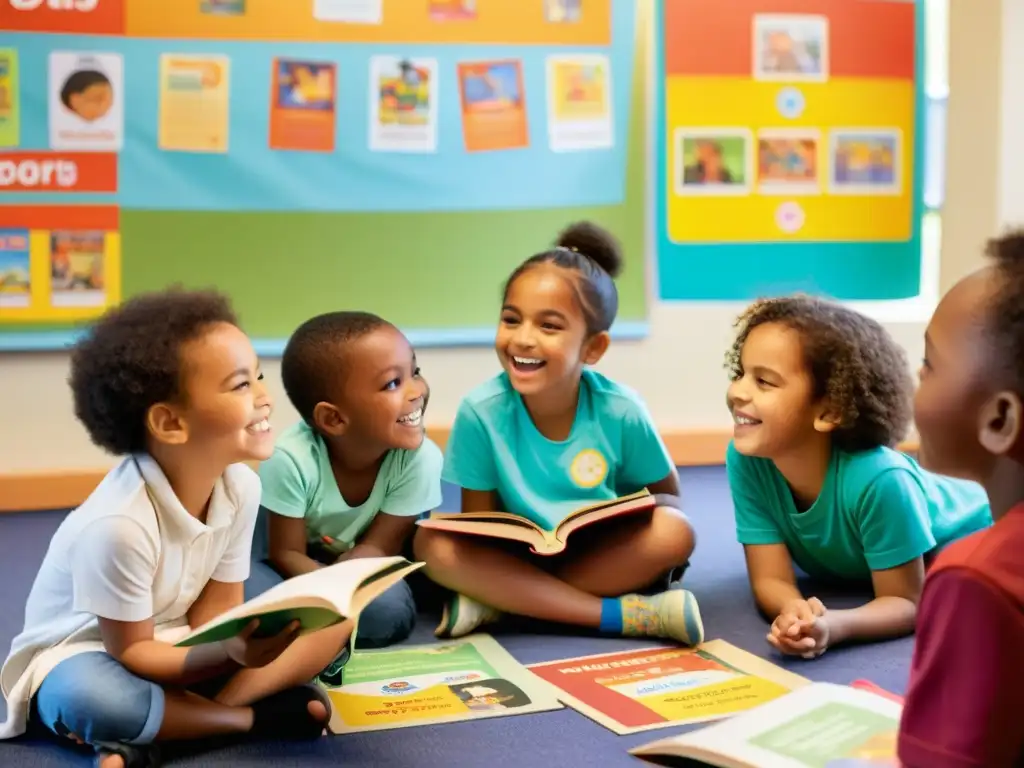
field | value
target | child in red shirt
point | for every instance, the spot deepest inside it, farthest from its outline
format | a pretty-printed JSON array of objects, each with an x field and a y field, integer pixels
[{"x": 966, "y": 690}]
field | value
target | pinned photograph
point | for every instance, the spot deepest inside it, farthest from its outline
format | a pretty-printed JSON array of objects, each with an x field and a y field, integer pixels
[
  {"x": 865, "y": 161},
  {"x": 77, "y": 269},
  {"x": 15, "y": 275},
  {"x": 403, "y": 104},
  {"x": 86, "y": 101},
  {"x": 788, "y": 161},
  {"x": 579, "y": 102},
  {"x": 790, "y": 48},
  {"x": 563, "y": 11},
  {"x": 713, "y": 161}
]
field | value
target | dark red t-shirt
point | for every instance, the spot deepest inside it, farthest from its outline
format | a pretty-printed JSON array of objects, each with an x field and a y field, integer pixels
[{"x": 965, "y": 702}]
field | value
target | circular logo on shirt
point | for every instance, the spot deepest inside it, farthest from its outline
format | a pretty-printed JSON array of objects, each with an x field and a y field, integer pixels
[{"x": 588, "y": 469}]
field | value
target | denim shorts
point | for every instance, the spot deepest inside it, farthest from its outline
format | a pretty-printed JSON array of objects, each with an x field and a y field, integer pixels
[{"x": 92, "y": 696}]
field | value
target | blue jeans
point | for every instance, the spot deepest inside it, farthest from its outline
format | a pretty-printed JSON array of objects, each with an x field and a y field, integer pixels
[
  {"x": 94, "y": 697},
  {"x": 389, "y": 619}
]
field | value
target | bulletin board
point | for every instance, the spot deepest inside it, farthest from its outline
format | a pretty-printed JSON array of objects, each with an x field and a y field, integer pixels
[
  {"x": 397, "y": 156},
  {"x": 790, "y": 148}
]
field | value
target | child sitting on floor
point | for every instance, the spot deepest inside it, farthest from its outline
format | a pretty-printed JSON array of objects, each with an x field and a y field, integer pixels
[
  {"x": 350, "y": 479},
  {"x": 170, "y": 382},
  {"x": 966, "y": 687},
  {"x": 546, "y": 436},
  {"x": 820, "y": 396}
]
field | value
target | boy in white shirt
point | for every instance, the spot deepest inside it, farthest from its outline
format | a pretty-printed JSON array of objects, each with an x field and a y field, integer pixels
[{"x": 169, "y": 381}]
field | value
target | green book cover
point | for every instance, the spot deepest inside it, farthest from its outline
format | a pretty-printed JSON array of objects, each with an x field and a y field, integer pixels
[{"x": 271, "y": 623}]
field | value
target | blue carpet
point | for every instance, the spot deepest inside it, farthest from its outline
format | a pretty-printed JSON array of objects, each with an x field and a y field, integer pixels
[{"x": 565, "y": 737}]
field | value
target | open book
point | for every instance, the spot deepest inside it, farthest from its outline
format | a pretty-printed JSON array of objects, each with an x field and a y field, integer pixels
[
  {"x": 821, "y": 724},
  {"x": 505, "y": 525},
  {"x": 317, "y": 599}
]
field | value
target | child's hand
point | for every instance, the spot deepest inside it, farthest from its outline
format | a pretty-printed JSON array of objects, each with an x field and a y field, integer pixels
[
  {"x": 801, "y": 629},
  {"x": 248, "y": 651}
]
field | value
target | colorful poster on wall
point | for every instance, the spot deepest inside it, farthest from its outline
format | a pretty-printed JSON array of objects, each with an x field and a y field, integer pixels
[
  {"x": 349, "y": 11},
  {"x": 452, "y": 10},
  {"x": 466, "y": 679},
  {"x": 303, "y": 105},
  {"x": 10, "y": 121},
  {"x": 789, "y": 149},
  {"x": 640, "y": 690},
  {"x": 86, "y": 101},
  {"x": 222, "y": 7},
  {"x": 493, "y": 105},
  {"x": 403, "y": 104},
  {"x": 579, "y": 102},
  {"x": 194, "y": 99},
  {"x": 563, "y": 11},
  {"x": 15, "y": 277}
]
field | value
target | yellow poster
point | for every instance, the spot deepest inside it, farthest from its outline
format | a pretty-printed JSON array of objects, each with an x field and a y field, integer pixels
[
  {"x": 640, "y": 690},
  {"x": 10, "y": 120},
  {"x": 579, "y": 102},
  {"x": 194, "y": 97},
  {"x": 465, "y": 679}
]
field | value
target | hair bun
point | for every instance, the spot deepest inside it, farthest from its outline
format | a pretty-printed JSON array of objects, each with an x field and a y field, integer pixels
[
  {"x": 594, "y": 242},
  {"x": 1008, "y": 250}
]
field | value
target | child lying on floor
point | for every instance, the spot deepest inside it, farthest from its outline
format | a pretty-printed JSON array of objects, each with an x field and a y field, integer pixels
[
  {"x": 966, "y": 687},
  {"x": 820, "y": 396},
  {"x": 350, "y": 479},
  {"x": 547, "y": 435},
  {"x": 170, "y": 382}
]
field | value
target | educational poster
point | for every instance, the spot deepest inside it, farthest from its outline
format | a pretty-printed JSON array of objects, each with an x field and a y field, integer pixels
[
  {"x": 466, "y": 679},
  {"x": 789, "y": 149},
  {"x": 349, "y": 11},
  {"x": 194, "y": 98},
  {"x": 303, "y": 105},
  {"x": 452, "y": 10},
  {"x": 493, "y": 105},
  {"x": 9, "y": 120},
  {"x": 403, "y": 104},
  {"x": 641, "y": 690},
  {"x": 579, "y": 103},
  {"x": 77, "y": 269},
  {"x": 15, "y": 278},
  {"x": 86, "y": 101}
]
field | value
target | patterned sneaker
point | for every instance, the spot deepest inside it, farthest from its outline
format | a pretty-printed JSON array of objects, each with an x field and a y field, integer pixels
[
  {"x": 331, "y": 676},
  {"x": 673, "y": 614},
  {"x": 461, "y": 615}
]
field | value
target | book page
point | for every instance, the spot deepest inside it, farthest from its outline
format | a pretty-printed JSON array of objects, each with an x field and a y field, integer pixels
[{"x": 817, "y": 726}]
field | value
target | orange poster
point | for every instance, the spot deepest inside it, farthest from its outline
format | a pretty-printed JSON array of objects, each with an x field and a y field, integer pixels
[
  {"x": 493, "y": 105},
  {"x": 78, "y": 17},
  {"x": 303, "y": 105},
  {"x": 42, "y": 171}
]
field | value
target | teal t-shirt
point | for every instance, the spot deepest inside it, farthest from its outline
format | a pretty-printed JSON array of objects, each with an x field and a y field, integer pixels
[
  {"x": 298, "y": 482},
  {"x": 878, "y": 509},
  {"x": 612, "y": 450}
]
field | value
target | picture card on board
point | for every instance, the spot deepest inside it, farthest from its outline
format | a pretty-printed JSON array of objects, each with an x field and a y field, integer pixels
[
  {"x": 493, "y": 105},
  {"x": 579, "y": 102},
  {"x": 788, "y": 161},
  {"x": 403, "y": 104},
  {"x": 349, "y": 11},
  {"x": 10, "y": 117},
  {"x": 15, "y": 272},
  {"x": 194, "y": 103},
  {"x": 303, "y": 105},
  {"x": 77, "y": 269},
  {"x": 452, "y": 10},
  {"x": 86, "y": 103}
]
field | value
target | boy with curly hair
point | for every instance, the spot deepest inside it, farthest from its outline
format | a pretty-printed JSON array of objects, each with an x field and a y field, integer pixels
[
  {"x": 966, "y": 687},
  {"x": 169, "y": 382},
  {"x": 820, "y": 397}
]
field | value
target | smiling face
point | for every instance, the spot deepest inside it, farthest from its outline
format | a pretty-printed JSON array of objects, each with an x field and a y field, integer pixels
[
  {"x": 382, "y": 395},
  {"x": 956, "y": 380},
  {"x": 224, "y": 407},
  {"x": 542, "y": 339},
  {"x": 773, "y": 401}
]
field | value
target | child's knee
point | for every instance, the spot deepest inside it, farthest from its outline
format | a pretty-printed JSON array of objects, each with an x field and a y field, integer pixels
[
  {"x": 92, "y": 697},
  {"x": 438, "y": 549},
  {"x": 673, "y": 535},
  {"x": 387, "y": 620}
]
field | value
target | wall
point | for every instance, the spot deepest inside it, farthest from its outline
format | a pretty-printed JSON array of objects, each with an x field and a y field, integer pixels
[{"x": 678, "y": 368}]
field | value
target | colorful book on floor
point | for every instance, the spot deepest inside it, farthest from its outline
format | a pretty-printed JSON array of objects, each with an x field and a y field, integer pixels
[
  {"x": 504, "y": 525},
  {"x": 820, "y": 725},
  {"x": 317, "y": 599},
  {"x": 640, "y": 690},
  {"x": 466, "y": 679}
]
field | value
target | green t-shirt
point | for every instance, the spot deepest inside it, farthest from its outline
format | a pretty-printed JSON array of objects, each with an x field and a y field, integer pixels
[
  {"x": 877, "y": 509},
  {"x": 298, "y": 482}
]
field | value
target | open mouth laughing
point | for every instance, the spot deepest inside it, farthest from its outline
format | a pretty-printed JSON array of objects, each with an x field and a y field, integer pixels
[
  {"x": 260, "y": 427},
  {"x": 414, "y": 419},
  {"x": 527, "y": 364}
]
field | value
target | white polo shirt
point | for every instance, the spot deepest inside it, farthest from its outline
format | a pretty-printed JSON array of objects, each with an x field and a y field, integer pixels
[{"x": 130, "y": 552}]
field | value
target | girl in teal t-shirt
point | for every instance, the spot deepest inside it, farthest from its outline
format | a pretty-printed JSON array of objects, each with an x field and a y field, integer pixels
[{"x": 546, "y": 437}]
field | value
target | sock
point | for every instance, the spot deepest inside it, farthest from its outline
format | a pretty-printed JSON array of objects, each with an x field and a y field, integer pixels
[{"x": 611, "y": 616}]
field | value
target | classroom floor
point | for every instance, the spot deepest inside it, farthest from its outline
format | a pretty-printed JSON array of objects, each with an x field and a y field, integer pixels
[{"x": 562, "y": 738}]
